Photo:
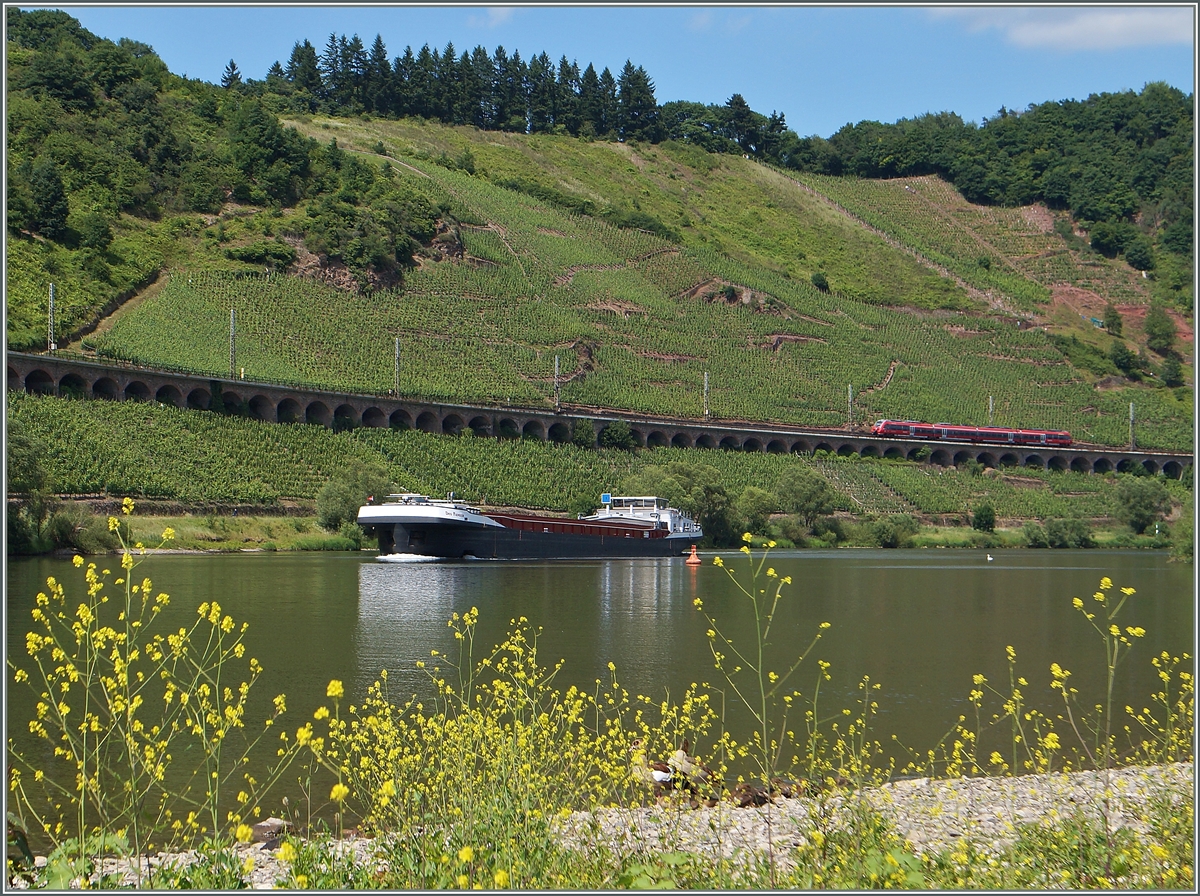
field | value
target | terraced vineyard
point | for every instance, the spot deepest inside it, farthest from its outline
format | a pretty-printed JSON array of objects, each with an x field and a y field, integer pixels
[
  {"x": 1014, "y": 252},
  {"x": 636, "y": 321},
  {"x": 198, "y": 457}
]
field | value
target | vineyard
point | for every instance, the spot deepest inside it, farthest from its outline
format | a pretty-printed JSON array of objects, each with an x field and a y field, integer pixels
[
  {"x": 1013, "y": 252},
  {"x": 636, "y": 321},
  {"x": 130, "y": 448}
]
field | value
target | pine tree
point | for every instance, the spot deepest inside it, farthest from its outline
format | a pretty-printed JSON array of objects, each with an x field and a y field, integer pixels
[
  {"x": 403, "y": 69},
  {"x": 637, "y": 109},
  {"x": 302, "y": 68},
  {"x": 607, "y": 105},
  {"x": 231, "y": 77},
  {"x": 421, "y": 83},
  {"x": 566, "y": 97},
  {"x": 378, "y": 90},
  {"x": 539, "y": 88},
  {"x": 591, "y": 117},
  {"x": 330, "y": 68},
  {"x": 449, "y": 86}
]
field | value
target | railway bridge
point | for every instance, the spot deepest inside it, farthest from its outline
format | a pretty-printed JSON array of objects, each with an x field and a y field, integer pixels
[{"x": 55, "y": 374}]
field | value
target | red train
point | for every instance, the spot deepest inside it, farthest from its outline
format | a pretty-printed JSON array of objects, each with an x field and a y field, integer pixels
[{"x": 998, "y": 435}]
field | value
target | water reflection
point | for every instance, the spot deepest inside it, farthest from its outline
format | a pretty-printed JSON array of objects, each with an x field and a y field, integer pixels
[{"x": 591, "y": 613}]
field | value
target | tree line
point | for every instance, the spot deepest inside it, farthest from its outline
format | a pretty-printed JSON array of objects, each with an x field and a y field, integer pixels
[{"x": 97, "y": 129}]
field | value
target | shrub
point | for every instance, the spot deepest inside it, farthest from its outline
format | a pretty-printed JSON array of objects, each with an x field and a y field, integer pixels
[
  {"x": 617, "y": 435},
  {"x": 583, "y": 434},
  {"x": 756, "y": 505},
  {"x": 820, "y": 281},
  {"x": 984, "y": 518},
  {"x": 894, "y": 531},
  {"x": 1141, "y": 501},
  {"x": 1112, "y": 319},
  {"x": 1160, "y": 330},
  {"x": 1069, "y": 533},
  {"x": 339, "y": 499},
  {"x": 1035, "y": 534},
  {"x": 829, "y": 529}
]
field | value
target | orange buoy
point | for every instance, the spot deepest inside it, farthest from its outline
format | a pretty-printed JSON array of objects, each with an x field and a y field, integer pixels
[{"x": 693, "y": 559}]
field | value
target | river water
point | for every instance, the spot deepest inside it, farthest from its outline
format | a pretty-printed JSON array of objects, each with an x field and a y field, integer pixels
[{"x": 921, "y": 623}]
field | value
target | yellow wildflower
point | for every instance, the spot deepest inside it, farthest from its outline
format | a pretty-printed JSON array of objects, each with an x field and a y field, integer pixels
[
  {"x": 286, "y": 853},
  {"x": 77, "y": 560},
  {"x": 244, "y": 833},
  {"x": 747, "y": 537},
  {"x": 500, "y": 878},
  {"x": 466, "y": 854},
  {"x": 339, "y": 792},
  {"x": 127, "y": 506},
  {"x": 335, "y": 690}
]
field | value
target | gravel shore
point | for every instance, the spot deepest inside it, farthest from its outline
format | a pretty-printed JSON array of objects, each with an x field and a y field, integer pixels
[{"x": 931, "y": 815}]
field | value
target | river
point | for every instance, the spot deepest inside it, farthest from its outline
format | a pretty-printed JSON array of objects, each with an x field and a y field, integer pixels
[{"x": 921, "y": 623}]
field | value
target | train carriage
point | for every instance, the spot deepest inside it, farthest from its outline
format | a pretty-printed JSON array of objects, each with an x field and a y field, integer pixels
[{"x": 949, "y": 432}]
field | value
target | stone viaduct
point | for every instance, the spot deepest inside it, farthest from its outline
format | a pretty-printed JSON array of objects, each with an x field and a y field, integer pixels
[{"x": 58, "y": 375}]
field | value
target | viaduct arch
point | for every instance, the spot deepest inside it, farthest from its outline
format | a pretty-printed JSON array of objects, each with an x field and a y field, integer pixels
[{"x": 81, "y": 379}]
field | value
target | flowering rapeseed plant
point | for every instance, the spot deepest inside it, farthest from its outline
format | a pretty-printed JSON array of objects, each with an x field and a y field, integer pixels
[{"x": 118, "y": 703}]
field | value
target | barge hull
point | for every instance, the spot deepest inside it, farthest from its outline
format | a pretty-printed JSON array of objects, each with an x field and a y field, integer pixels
[{"x": 494, "y": 543}]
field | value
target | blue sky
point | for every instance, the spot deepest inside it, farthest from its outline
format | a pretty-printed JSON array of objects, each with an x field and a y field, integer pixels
[{"x": 821, "y": 66}]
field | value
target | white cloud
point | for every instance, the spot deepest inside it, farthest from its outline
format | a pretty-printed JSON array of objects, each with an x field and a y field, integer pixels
[
  {"x": 727, "y": 23},
  {"x": 1094, "y": 28},
  {"x": 495, "y": 17}
]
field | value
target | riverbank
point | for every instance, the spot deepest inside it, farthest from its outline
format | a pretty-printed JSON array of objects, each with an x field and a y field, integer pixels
[
  {"x": 295, "y": 528},
  {"x": 969, "y": 831}
]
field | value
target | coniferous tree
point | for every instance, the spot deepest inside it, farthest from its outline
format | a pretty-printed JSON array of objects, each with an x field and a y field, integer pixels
[
  {"x": 354, "y": 70},
  {"x": 378, "y": 89},
  {"x": 540, "y": 90},
  {"x": 566, "y": 97},
  {"x": 474, "y": 78},
  {"x": 637, "y": 108},
  {"x": 449, "y": 86},
  {"x": 302, "y": 68},
  {"x": 421, "y": 83},
  {"x": 608, "y": 109},
  {"x": 231, "y": 76},
  {"x": 330, "y": 67},
  {"x": 403, "y": 68},
  {"x": 591, "y": 118}
]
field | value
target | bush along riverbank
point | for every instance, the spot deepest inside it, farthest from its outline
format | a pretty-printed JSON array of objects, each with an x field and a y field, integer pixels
[{"x": 502, "y": 780}]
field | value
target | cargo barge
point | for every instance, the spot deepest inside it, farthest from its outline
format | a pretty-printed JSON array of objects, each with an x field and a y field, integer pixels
[{"x": 623, "y": 527}]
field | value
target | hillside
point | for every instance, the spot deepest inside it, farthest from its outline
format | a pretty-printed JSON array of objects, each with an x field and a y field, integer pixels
[
  {"x": 641, "y": 266},
  {"x": 637, "y": 318}
]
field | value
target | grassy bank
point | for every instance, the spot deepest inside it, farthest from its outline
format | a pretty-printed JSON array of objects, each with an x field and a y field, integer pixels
[
  {"x": 213, "y": 532},
  {"x": 223, "y": 532}
]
